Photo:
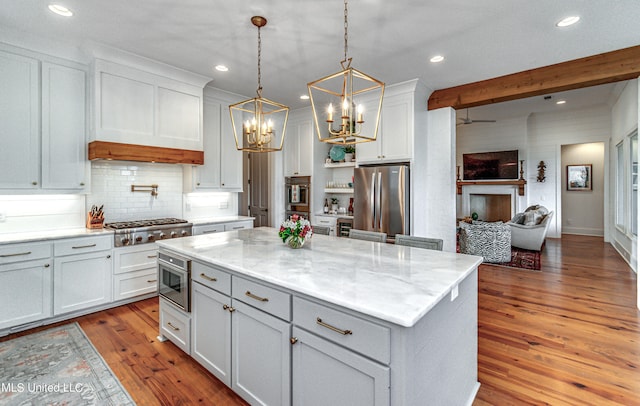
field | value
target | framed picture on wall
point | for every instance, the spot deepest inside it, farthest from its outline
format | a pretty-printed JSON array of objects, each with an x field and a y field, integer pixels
[{"x": 579, "y": 177}]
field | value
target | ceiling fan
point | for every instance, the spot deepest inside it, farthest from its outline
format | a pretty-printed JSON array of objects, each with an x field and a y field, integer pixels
[{"x": 467, "y": 120}]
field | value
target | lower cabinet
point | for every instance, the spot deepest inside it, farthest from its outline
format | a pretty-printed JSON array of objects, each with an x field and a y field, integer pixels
[
  {"x": 261, "y": 356},
  {"x": 135, "y": 271},
  {"x": 81, "y": 273},
  {"x": 25, "y": 292},
  {"x": 328, "y": 374},
  {"x": 175, "y": 325}
]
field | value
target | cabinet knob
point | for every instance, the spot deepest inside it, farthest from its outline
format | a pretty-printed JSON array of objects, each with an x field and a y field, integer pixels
[
  {"x": 108, "y": 256},
  {"x": 229, "y": 308},
  {"x": 81, "y": 183},
  {"x": 223, "y": 184},
  {"x": 198, "y": 184},
  {"x": 47, "y": 265},
  {"x": 293, "y": 340},
  {"x": 34, "y": 183}
]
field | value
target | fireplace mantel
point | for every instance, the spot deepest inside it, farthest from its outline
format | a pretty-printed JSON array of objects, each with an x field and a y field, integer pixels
[{"x": 520, "y": 183}]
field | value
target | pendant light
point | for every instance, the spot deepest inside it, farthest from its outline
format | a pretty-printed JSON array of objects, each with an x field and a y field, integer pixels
[
  {"x": 259, "y": 124},
  {"x": 338, "y": 101}
]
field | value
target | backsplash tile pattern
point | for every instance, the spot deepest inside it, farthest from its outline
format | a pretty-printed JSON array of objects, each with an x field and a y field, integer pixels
[
  {"x": 111, "y": 186},
  {"x": 26, "y": 213}
]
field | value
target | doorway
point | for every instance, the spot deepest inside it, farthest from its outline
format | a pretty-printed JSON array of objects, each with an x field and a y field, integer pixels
[{"x": 258, "y": 188}]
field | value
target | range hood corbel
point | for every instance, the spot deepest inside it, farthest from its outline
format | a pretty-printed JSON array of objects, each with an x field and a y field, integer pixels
[{"x": 143, "y": 153}]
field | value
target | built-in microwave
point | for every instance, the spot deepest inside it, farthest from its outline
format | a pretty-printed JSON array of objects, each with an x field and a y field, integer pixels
[
  {"x": 298, "y": 193},
  {"x": 174, "y": 274}
]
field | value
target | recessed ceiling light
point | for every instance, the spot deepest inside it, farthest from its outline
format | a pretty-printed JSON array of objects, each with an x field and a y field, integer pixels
[
  {"x": 437, "y": 58},
  {"x": 305, "y": 97},
  {"x": 221, "y": 68},
  {"x": 60, "y": 10},
  {"x": 561, "y": 102},
  {"x": 567, "y": 21}
]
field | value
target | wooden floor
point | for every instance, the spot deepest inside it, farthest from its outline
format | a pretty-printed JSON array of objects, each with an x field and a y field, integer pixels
[{"x": 568, "y": 335}]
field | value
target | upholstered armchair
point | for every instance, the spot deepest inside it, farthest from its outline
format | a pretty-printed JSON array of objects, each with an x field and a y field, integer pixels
[{"x": 530, "y": 237}]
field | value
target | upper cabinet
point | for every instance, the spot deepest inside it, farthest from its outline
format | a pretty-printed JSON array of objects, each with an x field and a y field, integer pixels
[
  {"x": 42, "y": 122},
  {"x": 222, "y": 169},
  {"x": 298, "y": 144},
  {"x": 154, "y": 105},
  {"x": 397, "y": 125}
]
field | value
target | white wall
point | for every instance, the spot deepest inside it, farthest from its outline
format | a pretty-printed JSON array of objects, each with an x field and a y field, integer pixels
[
  {"x": 624, "y": 122},
  {"x": 583, "y": 210}
]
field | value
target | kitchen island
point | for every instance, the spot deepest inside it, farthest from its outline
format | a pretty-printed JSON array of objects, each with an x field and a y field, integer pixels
[{"x": 339, "y": 321}]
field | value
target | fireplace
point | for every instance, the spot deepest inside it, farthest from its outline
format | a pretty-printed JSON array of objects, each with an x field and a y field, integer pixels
[
  {"x": 492, "y": 202},
  {"x": 491, "y": 207}
]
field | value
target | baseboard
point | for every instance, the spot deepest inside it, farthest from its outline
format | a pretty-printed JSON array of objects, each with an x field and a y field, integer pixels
[
  {"x": 474, "y": 393},
  {"x": 594, "y": 232},
  {"x": 624, "y": 253}
]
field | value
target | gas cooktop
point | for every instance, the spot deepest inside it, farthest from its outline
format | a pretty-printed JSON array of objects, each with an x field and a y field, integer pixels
[
  {"x": 144, "y": 223},
  {"x": 147, "y": 231}
]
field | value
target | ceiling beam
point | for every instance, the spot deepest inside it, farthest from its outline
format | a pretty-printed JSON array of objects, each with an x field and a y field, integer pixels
[{"x": 615, "y": 66}]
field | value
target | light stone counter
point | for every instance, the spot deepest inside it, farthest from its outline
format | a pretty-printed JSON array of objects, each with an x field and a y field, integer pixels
[
  {"x": 32, "y": 236},
  {"x": 219, "y": 219},
  {"x": 397, "y": 284}
]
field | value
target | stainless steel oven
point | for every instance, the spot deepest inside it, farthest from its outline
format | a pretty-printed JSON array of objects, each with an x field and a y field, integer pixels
[
  {"x": 298, "y": 195},
  {"x": 174, "y": 274}
]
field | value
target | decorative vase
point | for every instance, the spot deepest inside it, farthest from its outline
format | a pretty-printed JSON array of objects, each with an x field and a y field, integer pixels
[
  {"x": 295, "y": 242},
  {"x": 348, "y": 157}
]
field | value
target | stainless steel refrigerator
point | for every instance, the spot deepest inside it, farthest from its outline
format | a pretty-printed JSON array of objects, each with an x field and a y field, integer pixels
[{"x": 381, "y": 199}]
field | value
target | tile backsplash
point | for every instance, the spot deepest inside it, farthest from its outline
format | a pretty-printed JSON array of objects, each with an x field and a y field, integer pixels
[
  {"x": 26, "y": 213},
  {"x": 111, "y": 186}
]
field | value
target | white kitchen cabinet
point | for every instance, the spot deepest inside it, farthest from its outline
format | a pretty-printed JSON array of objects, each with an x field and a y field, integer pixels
[
  {"x": 152, "y": 109},
  {"x": 261, "y": 356},
  {"x": 238, "y": 225},
  {"x": 397, "y": 127},
  {"x": 211, "y": 337},
  {"x": 175, "y": 325},
  {"x": 298, "y": 144},
  {"x": 326, "y": 221},
  {"x": 25, "y": 283},
  {"x": 327, "y": 374},
  {"x": 43, "y": 120},
  {"x": 135, "y": 271},
  {"x": 220, "y": 227},
  {"x": 63, "y": 127},
  {"x": 82, "y": 273},
  {"x": 222, "y": 169},
  {"x": 20, "y": 122}
]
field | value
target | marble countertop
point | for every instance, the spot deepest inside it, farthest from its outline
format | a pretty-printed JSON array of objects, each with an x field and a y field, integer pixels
[
  {"x": 31, "y": 236},
  {"x": 218, "y": 220},
  {"x": 394, "y": 283}
]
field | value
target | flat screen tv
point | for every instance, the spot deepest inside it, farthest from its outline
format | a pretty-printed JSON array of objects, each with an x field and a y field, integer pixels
[{"x": 490, "y": 165}]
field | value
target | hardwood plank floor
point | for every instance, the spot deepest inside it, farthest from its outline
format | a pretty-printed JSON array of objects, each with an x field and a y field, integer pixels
[{"x": 568, "y": 335}]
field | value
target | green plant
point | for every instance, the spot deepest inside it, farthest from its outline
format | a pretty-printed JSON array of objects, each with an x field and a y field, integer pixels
[
  {"x": 334, "y": 200},
  {"x": 350, "y": 149}
]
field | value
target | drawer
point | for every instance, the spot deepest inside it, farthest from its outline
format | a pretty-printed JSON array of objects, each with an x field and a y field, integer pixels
[
  {"x": 134, "y": 284},
  {"x": 175, "y": 325},
  {"x": 208, "y": 229},
  {"x": 238, "y": 225},
  {"x": 212, "y": 277},
  {"x": 363, "y": 336},
  {"x": 24, "y": 252},
  {"x": 325, "y": 221},
  {"x": 135, "y": 258},
  {"x": 262, "y": 297},
  {"x": 82, "y": 245}
]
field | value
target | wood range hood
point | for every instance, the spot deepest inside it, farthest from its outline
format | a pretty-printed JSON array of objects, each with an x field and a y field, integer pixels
[{"x": 143, "y": 153}]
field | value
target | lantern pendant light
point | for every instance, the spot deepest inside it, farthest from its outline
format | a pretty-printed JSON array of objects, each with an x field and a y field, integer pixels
[
  {"x": 259, "y": 124},
  {"x": 340, "y": 97}
]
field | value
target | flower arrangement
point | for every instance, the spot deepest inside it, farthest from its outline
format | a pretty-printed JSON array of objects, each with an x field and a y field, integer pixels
[{"x": 295, "y": 231}]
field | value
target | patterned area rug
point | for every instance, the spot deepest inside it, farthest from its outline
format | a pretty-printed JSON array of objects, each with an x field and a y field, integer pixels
[
  {"x": 523, "y": 259},
  {"x": 58, "y": 366}
]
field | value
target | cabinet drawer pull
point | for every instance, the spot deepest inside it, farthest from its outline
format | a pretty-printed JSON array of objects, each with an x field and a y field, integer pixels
[
  {"x": 252, "y": 296},
  {"x": 83, "y": 246},
  {"x": 152, "y": 280},
  {"x": 238, "y": 227},
  {"x": 293, "y": 340},
  {"x": 152, "y": 256},
  {"x": 17, "y": 254},
  {"x": 209, "y": 231},
  {"x": 207, "y": 277},
  {"x": 332, "y": 328},
  {"x": 173, "y": 327}
]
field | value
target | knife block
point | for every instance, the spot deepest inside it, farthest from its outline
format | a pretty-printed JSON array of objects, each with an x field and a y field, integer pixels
[{"x": 94, "y": 222}]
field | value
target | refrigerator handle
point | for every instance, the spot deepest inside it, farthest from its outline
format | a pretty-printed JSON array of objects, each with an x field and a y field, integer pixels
[
  {"x": 371, "y": 198},
  {"x": 379, "y": 201}
]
